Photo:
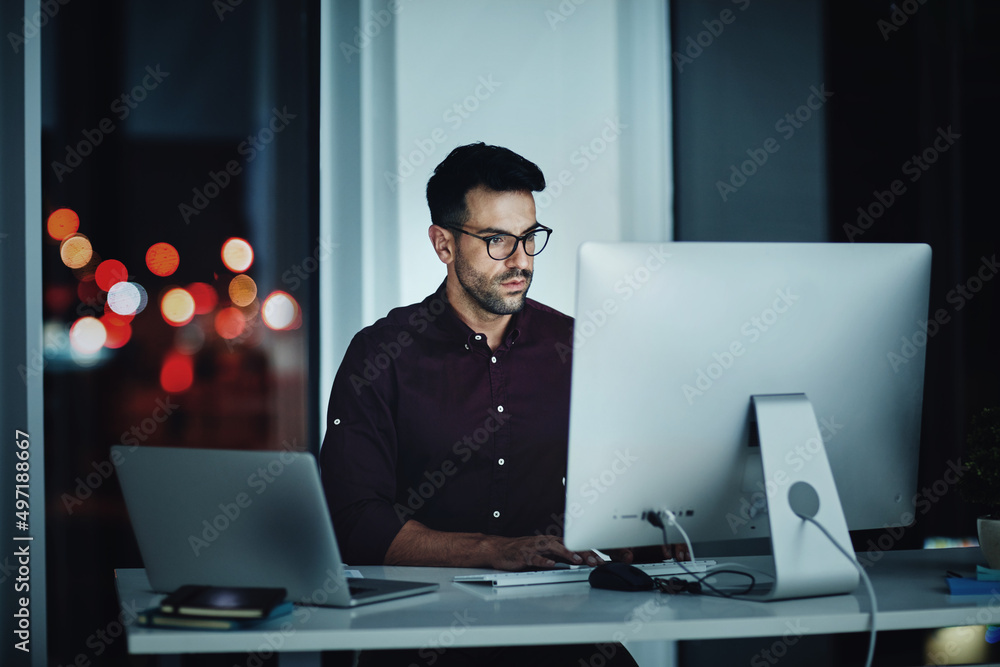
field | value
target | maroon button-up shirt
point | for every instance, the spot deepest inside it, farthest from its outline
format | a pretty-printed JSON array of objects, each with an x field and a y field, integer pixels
[{"x": 426, "y": 422}]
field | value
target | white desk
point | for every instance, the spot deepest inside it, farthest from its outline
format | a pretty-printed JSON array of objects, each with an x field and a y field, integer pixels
[{"x": 909, "y": 585}]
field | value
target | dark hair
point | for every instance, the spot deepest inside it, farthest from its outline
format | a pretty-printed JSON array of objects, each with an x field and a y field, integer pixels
[{"x": 468, "y": 167}]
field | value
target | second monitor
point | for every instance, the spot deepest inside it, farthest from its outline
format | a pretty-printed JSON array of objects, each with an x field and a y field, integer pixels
[{"x": 681, "y": 347}]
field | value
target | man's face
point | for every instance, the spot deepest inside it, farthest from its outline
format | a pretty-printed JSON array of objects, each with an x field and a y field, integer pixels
[{"x": 497, "y": 287}]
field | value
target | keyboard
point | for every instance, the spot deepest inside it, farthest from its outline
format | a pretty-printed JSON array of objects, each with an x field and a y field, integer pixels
[{"x": 574, "y": 573}]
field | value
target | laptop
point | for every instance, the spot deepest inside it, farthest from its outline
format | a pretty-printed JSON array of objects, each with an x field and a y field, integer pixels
[{"x": 240, "y": 518}]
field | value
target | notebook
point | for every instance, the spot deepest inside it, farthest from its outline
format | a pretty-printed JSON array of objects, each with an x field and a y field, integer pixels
[{"x": 240, "y": 518}]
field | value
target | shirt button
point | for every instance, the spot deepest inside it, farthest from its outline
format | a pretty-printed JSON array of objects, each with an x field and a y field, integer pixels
[
  {"x": 493, "y": 359},
  {"x": 478, "y": 337},
  {"x": 500, "y": 461},
  {"x": 466, "y": 346},
  {"x": 499, "y": 408},
  {"x": 336, "y": 422},
  {"x": 496, "y": 514}
]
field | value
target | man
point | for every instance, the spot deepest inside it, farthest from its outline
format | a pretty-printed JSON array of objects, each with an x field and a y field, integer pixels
[{"x": 448, "y": 419}]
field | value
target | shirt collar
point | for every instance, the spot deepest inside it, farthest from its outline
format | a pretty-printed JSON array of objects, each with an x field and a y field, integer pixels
[{"x": 453, "y": 326}]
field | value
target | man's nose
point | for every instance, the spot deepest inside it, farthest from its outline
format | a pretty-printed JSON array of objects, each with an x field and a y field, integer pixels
[{"x": 520, "y": 259}]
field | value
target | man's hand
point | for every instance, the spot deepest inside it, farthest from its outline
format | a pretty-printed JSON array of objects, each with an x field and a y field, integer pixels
[
  {"x": 540, "y": 551},
  {"x": 655, "y": 554},
  {"x": 416, "y": 544}
]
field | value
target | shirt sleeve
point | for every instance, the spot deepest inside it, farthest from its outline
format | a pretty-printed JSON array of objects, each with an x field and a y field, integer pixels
[{"x": 359, "y": 454}]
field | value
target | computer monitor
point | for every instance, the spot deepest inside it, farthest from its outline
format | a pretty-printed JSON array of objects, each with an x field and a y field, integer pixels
[{"x": 692, "y": 360}]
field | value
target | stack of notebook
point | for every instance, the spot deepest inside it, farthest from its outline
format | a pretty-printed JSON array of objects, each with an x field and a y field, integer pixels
[{"x": 217, "y": 608}]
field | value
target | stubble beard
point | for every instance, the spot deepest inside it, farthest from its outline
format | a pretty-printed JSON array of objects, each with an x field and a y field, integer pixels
[{"x": 486, "y": 292}]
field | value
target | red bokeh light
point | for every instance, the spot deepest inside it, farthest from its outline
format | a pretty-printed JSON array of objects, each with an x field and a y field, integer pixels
[
  {"x": 87, "y": 290},
  {"x": 119, "y": 331},
  {"x": 177, "y": 373},
  {"x": 58, "y": 298},
  {"x": 109, "y": 272},
  {"x": 230, "y": 323},
  {"x": 205, "y": 297}
]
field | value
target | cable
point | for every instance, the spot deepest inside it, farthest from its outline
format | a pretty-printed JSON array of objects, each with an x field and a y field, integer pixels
[
  {"x": 864, "y": 577},
  {"x": 654, "y": 518},
  {"x": 670, "y": 586}
]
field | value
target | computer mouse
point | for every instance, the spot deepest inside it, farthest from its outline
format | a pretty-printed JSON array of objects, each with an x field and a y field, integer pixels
[{"x": 620, "y": 577}]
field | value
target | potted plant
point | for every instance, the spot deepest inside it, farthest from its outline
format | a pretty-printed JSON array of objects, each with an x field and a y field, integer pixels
[{"x": 980, "y": 484}]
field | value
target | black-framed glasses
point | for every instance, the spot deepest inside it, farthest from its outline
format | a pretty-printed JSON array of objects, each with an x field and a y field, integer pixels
[{"x": 502, "y": 246}]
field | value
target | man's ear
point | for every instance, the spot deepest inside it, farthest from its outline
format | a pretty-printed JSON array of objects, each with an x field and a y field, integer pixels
[{"x": 444, "y": 243}]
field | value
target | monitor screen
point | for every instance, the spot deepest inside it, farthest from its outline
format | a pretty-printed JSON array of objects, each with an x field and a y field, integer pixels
[{"x": 672, "y": 340}]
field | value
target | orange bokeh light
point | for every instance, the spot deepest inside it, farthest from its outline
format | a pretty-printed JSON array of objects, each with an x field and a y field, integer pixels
[
  {"x": 242, "y": 290},
  {"x": 119, "y": 331},
  {"x": 230, "y": 323},
  {"x": 205, "y": 298},
  {"x": 237, "y": 255},
  {"x": 177, "y": 306},
  {"x": 280, "y": 311},
  {"x": 62, "y": 222},
  {"x": 109, "y": 272},
  {"x": 76, "y": 251},
  {"x": 162, "y": 259},
  {"x": 177, "y": 373}
]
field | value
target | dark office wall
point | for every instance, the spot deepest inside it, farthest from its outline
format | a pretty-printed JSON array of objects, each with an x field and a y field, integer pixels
[
  {"x": 912, "y": 143},
  {"x": 749, "y": 126}
]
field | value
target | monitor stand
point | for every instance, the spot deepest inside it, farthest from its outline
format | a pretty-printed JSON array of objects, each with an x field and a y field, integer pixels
[{"x": 798, "y": 481}]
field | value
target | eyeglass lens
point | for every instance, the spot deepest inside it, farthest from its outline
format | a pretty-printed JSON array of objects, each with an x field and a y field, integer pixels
[{"x": 502, "y": 246}]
